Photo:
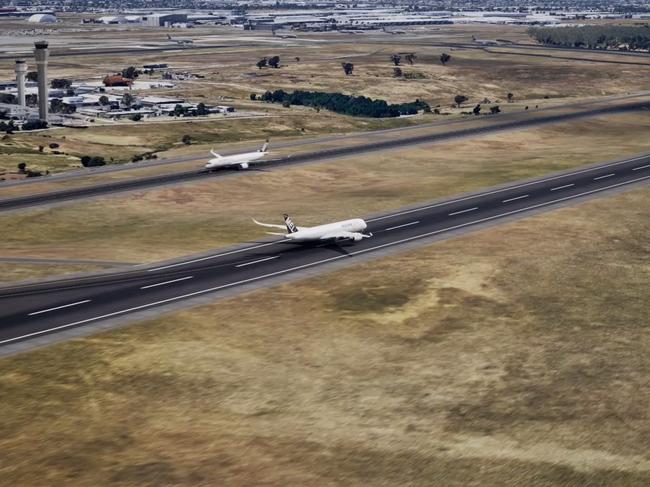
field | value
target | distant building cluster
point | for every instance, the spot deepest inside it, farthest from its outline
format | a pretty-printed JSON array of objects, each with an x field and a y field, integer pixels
[{"x": 33, "y": 101}]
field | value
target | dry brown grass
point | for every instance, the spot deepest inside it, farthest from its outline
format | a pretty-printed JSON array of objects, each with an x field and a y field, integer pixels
[
  {"x": 513, "y": 355},
  {"x": 231, "y": 76},
  {"x": 167, "y": 222}
]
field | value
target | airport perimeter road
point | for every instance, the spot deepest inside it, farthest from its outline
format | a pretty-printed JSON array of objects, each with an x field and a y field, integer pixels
[
  {"x": 32, "y": 311},
  {"x": 71, "y": 194}
]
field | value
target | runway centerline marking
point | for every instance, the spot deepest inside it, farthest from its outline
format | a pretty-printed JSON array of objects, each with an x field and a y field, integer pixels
[
  {"x": 563, "y": 187},
  {"x": 312, "y": 264},
  {"x": 401, "y": 226},
  {"x": 463, "y": 211},
  {"x": 640, "y": 167},
  {"x": 167, "y": 282},
  {"x": 59, "y": 307},
  {"x": 605, "y": 176},
  {"x": 515, "y": 198},
  {"x": 215, "y": 256},
  {"x": 508, "y": 188},
  {"x": 257, "y": 261}
]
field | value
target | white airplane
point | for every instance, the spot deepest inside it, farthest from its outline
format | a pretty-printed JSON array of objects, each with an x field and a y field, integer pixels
[
  {"x": 180, "y": 42},
  {"x": 485, "y": 42},
  {"x": 285, "y": 36},
  {"x": 240, "y": 161},
  {"x": 346, "y": 230}
]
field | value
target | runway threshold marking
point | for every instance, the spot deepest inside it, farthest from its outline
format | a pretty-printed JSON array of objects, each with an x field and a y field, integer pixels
[
  {"x": 257, "y": 261},
  {"x": 640, "y": 167},
  {"x": 467, "y": 210},
  {"x": 401, "y": 226},
  {"x": 59, "y": 307},
  {"x": 605, "y": 176},
  {"x": 563, "y": 187},
  {"x": 167, "y": 282},
  {"x": 515, "y": 198},
  {"x": 312, "y": 264}
]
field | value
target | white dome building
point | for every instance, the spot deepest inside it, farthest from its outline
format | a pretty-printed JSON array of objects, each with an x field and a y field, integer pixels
[{"x": 42, "y": 19}]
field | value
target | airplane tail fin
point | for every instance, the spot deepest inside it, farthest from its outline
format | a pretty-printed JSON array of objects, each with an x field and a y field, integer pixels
[
  {"x": 291, "y": 227},
  {"x": 265, "y": 147},
  {"x": 215, "y": 154},
  {"x": 169, "y": 37}
]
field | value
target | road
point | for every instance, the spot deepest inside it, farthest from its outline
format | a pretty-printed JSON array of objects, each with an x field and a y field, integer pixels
[
  {"x": 31, "y": 311},
  {"x": 71, "y": 194}
]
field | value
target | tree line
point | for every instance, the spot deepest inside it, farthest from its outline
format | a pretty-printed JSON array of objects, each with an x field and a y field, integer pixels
[
  {"x": 626, "y": 37},
  {"x": 359, "y": 106}
]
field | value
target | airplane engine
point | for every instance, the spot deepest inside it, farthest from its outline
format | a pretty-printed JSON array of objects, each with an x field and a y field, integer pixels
[
  {"x": 243, "y": 165},
  {"x": 357, "y": 237}
]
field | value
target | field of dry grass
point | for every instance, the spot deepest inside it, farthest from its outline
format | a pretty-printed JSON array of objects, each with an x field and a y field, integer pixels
[
  {"x": 168, "y": 222},
  {"x": 231, "y": 75},
  {"x": 516, "y": 355}
]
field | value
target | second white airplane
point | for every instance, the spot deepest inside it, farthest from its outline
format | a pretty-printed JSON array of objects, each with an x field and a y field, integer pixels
[
  {"x": 240, "y": 161},
  {"x": 346, "y": 230}
]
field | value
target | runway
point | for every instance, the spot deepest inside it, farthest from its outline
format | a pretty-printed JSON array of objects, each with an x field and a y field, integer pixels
[
  {"x": 56, "y": 197},
  {"x": 30, "y": 312}
]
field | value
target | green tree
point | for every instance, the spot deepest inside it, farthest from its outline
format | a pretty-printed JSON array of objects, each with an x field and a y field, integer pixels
[
  {"x": 32, "y": 76},
  {"x": 347, "y": 68},
  {"x": 262, "y": 63},
  {"x": 444, "y": 58},
  {"x": 201, "y": 109},
  {"x": 60, "y": 83},
  {"x": 410, "y": 58},
  {"x": 103, "y": 100},
  {"x": 396, "y": 59},
  {"x": 128, "y": 99},
  {"x": 459, "y": 99},
  {"x": 131, "y": 72},
  {"x": 397, "y": 72},
  {"x": 274, "y": 61},
  {"x": 186, "y": 139}
]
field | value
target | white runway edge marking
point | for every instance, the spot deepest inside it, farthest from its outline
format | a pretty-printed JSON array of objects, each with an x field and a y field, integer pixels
[
  {"x": 312, "y": 264},
  {"x": 605, "y": 176},
  {"x": 401, "y": 226},
  {"x": 501, "y": 190},
  {"x": 463, "y": 211},
  {"x": 563, "y": 187},
  {"x": 167, "y": 282},
  {"x": 59, "y": 307},
  {"x": 257, "y": 261},
  {"x": 640, "y": 167},
  {"x": 515, "y": 198}
]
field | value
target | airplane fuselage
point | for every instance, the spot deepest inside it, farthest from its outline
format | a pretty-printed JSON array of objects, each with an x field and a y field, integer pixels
[
  {"x": 321, "y": 232},
  {"x": 240, "y": 160}
]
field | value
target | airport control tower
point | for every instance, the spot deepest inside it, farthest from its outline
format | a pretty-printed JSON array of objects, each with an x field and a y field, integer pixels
[
  {"x": 42, "y": 54},
  {"x": 21, "y": 71}
]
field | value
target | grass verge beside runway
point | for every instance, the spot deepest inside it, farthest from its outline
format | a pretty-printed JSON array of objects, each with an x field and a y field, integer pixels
[
  {"x": 515, "y": 352},
  {"x": 170, "y": 222}
]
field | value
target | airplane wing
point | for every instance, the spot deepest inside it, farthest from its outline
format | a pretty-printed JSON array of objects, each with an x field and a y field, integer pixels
[{"x": 269, "y": 225}]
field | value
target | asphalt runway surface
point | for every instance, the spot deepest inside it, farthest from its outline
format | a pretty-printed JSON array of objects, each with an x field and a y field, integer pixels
[
  {"x": 30, "y": 312},
  {"x": 61, "y": 196}
]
